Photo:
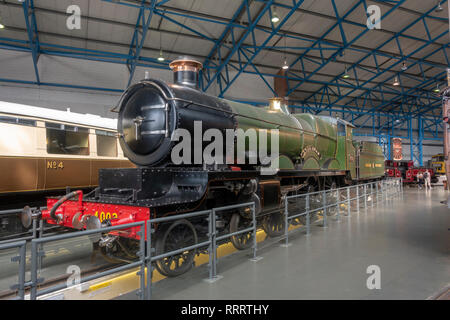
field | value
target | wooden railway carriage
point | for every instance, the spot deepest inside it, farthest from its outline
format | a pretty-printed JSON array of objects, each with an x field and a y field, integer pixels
[
  {"x": 315, "y": 153},
  {"x": 44, "y": 150}
]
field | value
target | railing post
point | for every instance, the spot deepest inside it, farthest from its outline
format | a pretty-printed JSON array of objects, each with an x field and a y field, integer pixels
[
  {"x": 22, "y": 266},
  {"x": 365, "y": 196},
  {"x": 214, "y": 244},
  {"x": 357, "y": 198},
  {"x": 141, "y": 272},
  {"x": 149, "y": 260},
  {"x": 210, "y": 248},
  {"x": 254, "y": 231},
  {"x": 33, "y": 270},
  {"x": 348, "y": 203},
  {"x": 371, "y": 194},
  {"x": 324, "y": 205},
  {"x": 376, "y": 191},
  {"x": 307, "y": 214},
  {"x": 286, "y": 221},
  {"x": 34, "y": 228},
  {"x": 339, "y": 204}
]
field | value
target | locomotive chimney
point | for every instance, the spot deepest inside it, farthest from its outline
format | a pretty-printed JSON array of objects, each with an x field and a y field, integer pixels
[{"x": 186, "y": 71}]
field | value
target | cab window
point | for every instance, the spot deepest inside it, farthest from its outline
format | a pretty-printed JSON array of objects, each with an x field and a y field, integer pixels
[
  {"x": 341, "y": 129},
  {"x": 65, "y": 139},
  {"x": 106, "y": 143}
]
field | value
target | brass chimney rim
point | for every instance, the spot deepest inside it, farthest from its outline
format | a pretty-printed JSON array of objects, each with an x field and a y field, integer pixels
[{"x": 185, "y": 63}]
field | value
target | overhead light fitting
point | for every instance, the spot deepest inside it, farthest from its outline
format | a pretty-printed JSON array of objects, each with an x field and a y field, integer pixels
[
  {"x": 2, "y": 26},
  {"x": 439, "y": 7},
  {"x": 285, "y": 65},
  {"x": 346, "y": 75},
  {"x": 161, "y": 57},
  {"x": 404, "y": 67},
  {"x": 437, "y": 90},
  {"x": 396, "y": 81},
  {"x": 275, "y": 17}
]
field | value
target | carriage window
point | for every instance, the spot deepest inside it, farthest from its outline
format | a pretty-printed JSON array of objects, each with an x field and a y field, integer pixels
[
  {"x": 106, "y": 143},
  {"x": 14, "y": 120},
  {"x": 341, "y": 129},
  {"x": 64, "y": 139}
]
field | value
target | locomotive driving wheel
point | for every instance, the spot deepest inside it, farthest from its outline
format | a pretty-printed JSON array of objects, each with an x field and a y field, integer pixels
[
  {"x": 273, "y": 224},
  {"x": 242, "y": 241},
  {"x": 179, "y": 234}
]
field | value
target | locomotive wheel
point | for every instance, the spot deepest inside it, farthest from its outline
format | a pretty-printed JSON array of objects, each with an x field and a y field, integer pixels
[
  {"x": 273, "y": 224},
  {"x": 179, "y": 234},
  {"x": 242, "y": 241}
]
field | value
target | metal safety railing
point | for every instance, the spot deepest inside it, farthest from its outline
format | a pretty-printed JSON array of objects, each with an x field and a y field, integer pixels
[
  {"x": 37, "y": 253},
  {"x": 299, "y": 206},
  {"x": 211, "y": 242},
  {"x": 21, "y": 259},
  {"x": 318, "y": 202}
]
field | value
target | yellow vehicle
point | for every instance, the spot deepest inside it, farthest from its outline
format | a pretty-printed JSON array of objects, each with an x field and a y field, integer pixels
[{"x": 438, "y": 163}]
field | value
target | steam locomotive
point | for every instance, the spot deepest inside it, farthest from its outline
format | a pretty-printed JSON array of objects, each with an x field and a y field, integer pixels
[{"x": 314, "y": 153}]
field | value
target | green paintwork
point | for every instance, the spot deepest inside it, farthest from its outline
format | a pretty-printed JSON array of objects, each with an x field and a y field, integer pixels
[
  {"x": 333, "y": 165},
  {"x": 285, "y": 163},
  {"x": 311, "y": 164},
  {"x": 309, "y": 142},
  {"x": 371, "y": 160}
]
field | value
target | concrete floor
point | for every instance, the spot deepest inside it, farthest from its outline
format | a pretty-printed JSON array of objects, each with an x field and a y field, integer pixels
[{"x": 408, "y": 239}]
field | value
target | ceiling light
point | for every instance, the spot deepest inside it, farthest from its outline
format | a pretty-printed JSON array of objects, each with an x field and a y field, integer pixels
[
  {"x": 437, "y": 90},
  {"x": 285, "y": 65},
  {"x": 404, "y": 67},
  {"x": 161, "y": 57},
  {"x": 396, "y": 81},
  {"x": 2, "y": 26},
  {"x": 439, "y": 7},
  {"x": 275, "y": 17},
  {"x": 346, "y": 75}
]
